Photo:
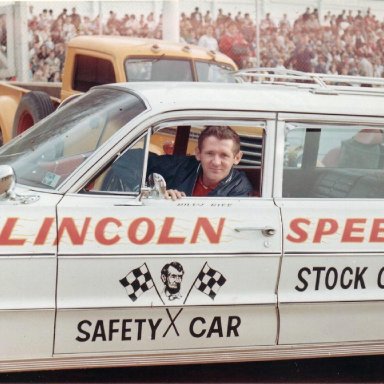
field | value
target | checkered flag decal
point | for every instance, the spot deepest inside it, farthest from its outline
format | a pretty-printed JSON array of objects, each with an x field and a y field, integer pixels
[
  {"x": 138, "y": 281},
  {"x": 209, "y": 281}
]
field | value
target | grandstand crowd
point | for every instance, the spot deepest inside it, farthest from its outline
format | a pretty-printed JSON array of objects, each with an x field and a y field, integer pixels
[{"x": 350, "y": 43}]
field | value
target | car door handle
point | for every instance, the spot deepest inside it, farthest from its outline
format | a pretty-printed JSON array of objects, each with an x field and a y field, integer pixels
[{"x": 266, "y": 231}]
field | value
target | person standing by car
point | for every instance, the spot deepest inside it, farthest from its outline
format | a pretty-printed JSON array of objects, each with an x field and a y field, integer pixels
[{"x": 210, "y": 172}]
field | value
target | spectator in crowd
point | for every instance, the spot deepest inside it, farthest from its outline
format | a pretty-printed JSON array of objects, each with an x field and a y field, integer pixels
[
  {"x": 75, "y": 19},
  {"x": 301, "y": 59},
  {"x": 196, "y": 18},
  {"x": 234, "y": 45},
  {"x": 267, "y": 24},
  {"x": 63, "y": 15},
  {"x": 321, "y": 66},
  {"x": 190, "y": 36},
  {"x": 221, "y": 18},
  {"x": 207, "y": 18},
  {"x": 284, "y": 23},
  {"x": 151, "y": 23},
  {"x": 365, "y": 66},
  {"x": 112, "y": 23},
  {"x": 69, "y": 30},
  {"x": 133, "y": 24},
  {"x": 208, "y": 40}
]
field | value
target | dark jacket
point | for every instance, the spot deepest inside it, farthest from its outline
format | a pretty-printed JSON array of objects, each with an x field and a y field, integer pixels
[{"x": 181, "y": 173}]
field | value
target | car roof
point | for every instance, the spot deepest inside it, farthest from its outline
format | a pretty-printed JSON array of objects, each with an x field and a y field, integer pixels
[
  {"x": 123, "y": 46},
  {"x": 163, "y": 96}
]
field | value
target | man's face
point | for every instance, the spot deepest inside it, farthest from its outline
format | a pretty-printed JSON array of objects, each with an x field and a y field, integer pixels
[
  {"x": 173, "y": 280},
  {"x": 217, "y": 159}
]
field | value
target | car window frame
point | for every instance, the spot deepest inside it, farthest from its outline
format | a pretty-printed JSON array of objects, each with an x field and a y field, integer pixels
[
  {"x": 152, "y": 118},
  {"x": 312, "y": 119}
]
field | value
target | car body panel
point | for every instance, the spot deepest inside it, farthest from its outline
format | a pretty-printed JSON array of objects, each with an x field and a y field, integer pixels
[{"x": 293, "y": 275}]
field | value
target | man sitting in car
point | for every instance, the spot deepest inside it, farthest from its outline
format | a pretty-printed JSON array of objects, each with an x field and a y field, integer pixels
[{"x": 210, "y": 172}]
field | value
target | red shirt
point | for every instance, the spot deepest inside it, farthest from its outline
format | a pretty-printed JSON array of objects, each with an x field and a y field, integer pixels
[{"x": 200, "y": 189}]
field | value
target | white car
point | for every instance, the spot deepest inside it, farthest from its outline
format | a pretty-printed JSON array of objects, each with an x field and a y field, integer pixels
[{"x": 295, "y": 270}]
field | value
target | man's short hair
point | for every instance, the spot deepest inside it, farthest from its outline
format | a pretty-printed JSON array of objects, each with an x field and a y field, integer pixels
[
  {"x": 174, "y": 264},
  {"x": 222, "y": 133}
]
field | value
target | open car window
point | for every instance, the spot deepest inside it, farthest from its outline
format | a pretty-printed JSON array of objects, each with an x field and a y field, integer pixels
[{"x": 126, "y": 174}]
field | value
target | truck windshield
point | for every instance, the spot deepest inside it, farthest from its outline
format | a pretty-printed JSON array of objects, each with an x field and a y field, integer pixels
[
  {"x": 48, "y": 153},
  {"x": 159, "y": 69},
  {"x": 156, "y": 69},
  {"x": 214, "y": 72}
]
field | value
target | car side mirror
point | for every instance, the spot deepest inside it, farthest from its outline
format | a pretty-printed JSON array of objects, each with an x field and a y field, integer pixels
[
  {"x": 157, "y": 186},
  {"x": 7, "y": 181}
]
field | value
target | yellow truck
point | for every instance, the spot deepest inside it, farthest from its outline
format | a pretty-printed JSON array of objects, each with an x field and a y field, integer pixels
[{"x": 96, "y": 60}]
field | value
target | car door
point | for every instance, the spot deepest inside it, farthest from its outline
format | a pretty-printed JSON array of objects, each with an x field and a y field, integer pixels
[
  {"x": 118, "y": 253},
  {"x": 27, "y": 275},
  {"x": 331, "y": 286}
]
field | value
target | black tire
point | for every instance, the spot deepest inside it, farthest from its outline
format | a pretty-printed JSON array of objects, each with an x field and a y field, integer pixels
[{"x": 33, "y": 107}]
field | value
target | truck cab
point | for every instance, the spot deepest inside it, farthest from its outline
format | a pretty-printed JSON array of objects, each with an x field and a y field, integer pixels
[{"x": 115, "y": 59}]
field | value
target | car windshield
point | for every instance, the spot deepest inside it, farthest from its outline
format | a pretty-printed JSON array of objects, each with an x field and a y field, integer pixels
[
  {"x": 157, "y": 69},
  {"x": 48, "y": 153}
]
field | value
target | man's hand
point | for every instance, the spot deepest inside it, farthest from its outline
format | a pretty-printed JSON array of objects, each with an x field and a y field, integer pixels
[{"x": 174, "y": 194}]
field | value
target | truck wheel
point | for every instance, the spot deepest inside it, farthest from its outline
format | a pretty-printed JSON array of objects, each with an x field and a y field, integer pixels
[{"x": 33, "y": 107}]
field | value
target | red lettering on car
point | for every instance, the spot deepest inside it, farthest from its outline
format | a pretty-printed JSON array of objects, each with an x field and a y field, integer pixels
[
  {"x": 204, "y": 224},
  {"x": 134, "y": 231},
  {"x": 325, "y": 227},
  {"x": 68, "y": 225},
  {"x": 165, "y": 237},
  {"x": 377, "y": 229},
  {"x": 6, "y": 233},
  {"x": 295, "y": 226},
  {"x": 45, "y": 227},
  {"x": 101, "y": 229},
  {"x": 350, "y": 228}
]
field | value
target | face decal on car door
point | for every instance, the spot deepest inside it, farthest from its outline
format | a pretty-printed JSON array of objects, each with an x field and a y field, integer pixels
[{"x": 139, "y": 280}]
